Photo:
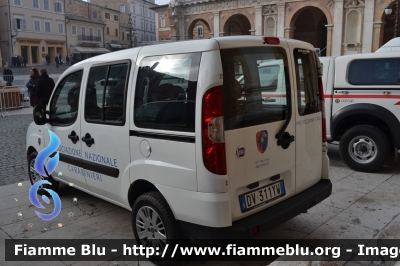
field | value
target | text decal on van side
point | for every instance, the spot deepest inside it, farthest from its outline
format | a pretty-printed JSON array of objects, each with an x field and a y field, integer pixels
[{"x": 308, "y": 121}]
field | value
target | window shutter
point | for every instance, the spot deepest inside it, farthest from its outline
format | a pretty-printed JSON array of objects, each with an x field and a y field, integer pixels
[
  {"x": 55, "y": 7},
  {"x": 15, "y": 24},
  {"x": 23, "y": 24}
]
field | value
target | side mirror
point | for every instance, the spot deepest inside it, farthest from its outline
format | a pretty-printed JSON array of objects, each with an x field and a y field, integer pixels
[{"x": 39, "y": 115}]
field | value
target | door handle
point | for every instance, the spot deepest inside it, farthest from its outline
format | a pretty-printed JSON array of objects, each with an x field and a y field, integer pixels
[
  {"x": 73, "y": 137},
  {"x": 88, "y": 140},
  {"x": 285, "y": 141}
]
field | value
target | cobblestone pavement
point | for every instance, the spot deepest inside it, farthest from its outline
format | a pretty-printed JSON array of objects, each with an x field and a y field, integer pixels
[{"x": 13, "y": 163}]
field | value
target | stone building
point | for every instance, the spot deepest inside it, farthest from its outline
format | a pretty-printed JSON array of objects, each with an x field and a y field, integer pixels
[
  {"x": 31, "y": 28},
  {"x": 143, "y": 19},
  {"x": 91, "y": 28},
  {"x": 337, "y": 27}
]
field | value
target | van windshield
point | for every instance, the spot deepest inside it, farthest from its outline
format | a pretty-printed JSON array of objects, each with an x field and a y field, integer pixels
[{"x": 254, "y": 85}]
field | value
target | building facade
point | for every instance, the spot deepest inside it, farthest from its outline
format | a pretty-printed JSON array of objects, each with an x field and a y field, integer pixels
[
  {"x": 336, "y": 27},
  {"x": 143, "y": 19},
  {"x": 31, "y": 28}
]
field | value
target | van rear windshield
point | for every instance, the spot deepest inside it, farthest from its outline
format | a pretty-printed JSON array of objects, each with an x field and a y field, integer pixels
[{"x": 255, "y": 85}]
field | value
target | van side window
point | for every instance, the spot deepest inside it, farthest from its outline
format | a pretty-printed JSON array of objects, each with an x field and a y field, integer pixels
[
  {"x": 165, "y": 96},
  {"x": 307, "y": 82},
  {"x": 255, "y": 86},
  {"x": 383, "y": 71},
  {"x": 105, "y": 94},
  {"x": 65, "y": 103}
]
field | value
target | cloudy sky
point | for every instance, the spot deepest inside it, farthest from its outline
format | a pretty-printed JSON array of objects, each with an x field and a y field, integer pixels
[{"x": 162, "y": 2}]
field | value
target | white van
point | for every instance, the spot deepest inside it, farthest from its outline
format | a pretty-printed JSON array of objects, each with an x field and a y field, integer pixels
[
  {"x": 362, "y": 107},
  {"x": 391, "y": 46},
  {"x": 165, "y": 131}
]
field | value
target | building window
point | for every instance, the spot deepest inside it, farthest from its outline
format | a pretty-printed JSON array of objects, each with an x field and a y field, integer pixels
[
  {"x": 98, "y": 32},
  {"x": 141, "y": 10},
  {"x": 134, "y": 23},
  {"x": 162, "y": 20},
  {"x": 43, "y": 49},
  {"x": 141, "y": 25},
  {"x": 108, "y": 30},
  {"x": 134, "y": 11},
  {"x": 47, "y": 26},
  {"x": 116, "y": 17},
  {"x": 35, "y": 3},
  {"x": 200, "y": 31},
  {"x": 107, "y": 15},
  {"x": 46, "y": 5},
  {"x": 83, "y": 31},
  {"x": 146, "y": 25},
  {"x": 60, "y": 28},
  {"x": 123, "y": 36},
  {"x": 36, "y": 25},
  {"x": 58, "y": 7},
  {"x": 19, "y": 24},
  {"x": 91, "y": 32},
  {"x": 73, "y": 30},
  {"x": 17, "y": 2},
  {"x": 94, "y": 15},
  {"x": 122, "y": 8},
  {"x": 116, "y": 32}
]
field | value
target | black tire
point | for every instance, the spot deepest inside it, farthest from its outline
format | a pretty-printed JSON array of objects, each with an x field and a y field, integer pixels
[
  {"x": 35, "y": 177},
  {"x": 155, "y": 203},
  {"x": 364, "y": 148}
]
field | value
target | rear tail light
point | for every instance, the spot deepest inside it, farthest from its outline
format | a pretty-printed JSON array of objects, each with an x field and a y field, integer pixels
[
  {"x": 213, "y": 138},
  {"x": 322, "y": 98},
  {"x": 271, "y": 40}
]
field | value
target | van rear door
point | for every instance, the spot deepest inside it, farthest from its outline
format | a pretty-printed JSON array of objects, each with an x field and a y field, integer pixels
[
  {"x": 308, "y": 119},
  {"x": 260, "y": 172}
]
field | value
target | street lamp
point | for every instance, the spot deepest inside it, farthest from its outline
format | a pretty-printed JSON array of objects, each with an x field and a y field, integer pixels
[
  {"x": 388, "y": 12},
  {"x": 131, "y": 32}
]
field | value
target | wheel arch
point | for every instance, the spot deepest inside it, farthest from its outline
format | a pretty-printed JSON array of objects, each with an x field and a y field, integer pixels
[
  {"x": 29, "y": 151},
  {"x": 364, "y": 113}
]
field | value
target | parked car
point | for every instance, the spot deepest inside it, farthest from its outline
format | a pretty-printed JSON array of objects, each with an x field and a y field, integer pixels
[
  {"x": 202, "y": 156},
  {"x": 362, "y": 107}
]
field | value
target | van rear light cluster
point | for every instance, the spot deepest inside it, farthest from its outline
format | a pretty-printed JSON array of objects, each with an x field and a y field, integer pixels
[
  {"x": 271, "y": 40},
  {"x": 322, "y": 99},
  {"x": 213, "y": 137}
]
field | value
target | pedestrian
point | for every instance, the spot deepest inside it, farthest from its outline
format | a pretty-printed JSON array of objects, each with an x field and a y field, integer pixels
[
  {"x": 32, "y": 86},
  {"x": 67, "y": 60},
  {"x": 14, "y": 61},
  {"x": 8, "y": 75},
  {"x": 20, "y": 61},
  {"x": 57, "y": 58},
  {"x": 47, "y": 59},
  {"x": 25, "y": 61},
  {"x": 44, "y": 88},
  {"x": 71, "y": 59}
]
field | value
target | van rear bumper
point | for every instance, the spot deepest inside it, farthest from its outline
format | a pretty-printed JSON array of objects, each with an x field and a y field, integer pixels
[{"x": 266, "y": 219}]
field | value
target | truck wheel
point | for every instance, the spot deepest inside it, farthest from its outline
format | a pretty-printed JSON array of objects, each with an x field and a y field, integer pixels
[
  {"x": 364, "y": 148},
  {"x": 35, "y": 177},
  {"x": 153, "y": 223}
]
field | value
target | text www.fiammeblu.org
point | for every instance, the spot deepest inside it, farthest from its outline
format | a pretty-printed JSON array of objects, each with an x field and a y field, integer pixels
[{"x": 234, "y": 250}]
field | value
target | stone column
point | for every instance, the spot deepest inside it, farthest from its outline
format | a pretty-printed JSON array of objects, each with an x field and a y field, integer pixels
[
  {"x": 258, "y": 21},
  {"x": 337, "y": 31},
  {"x": 368, "y": 26},
  {"x": 181, "y": 27},
  {"x": 289, "y": 32},
  {"x": 281, "y": 20},
  {"x": 377, "y": 34},
  {"x": 329, "y": 29},
  {"x": 216, "y": 23}
]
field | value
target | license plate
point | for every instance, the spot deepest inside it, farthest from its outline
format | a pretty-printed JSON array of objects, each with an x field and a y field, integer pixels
[{"x": 262, "y": 196}]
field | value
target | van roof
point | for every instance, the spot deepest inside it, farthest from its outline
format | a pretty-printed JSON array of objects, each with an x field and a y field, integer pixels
[{"x": 183, "y": 47}]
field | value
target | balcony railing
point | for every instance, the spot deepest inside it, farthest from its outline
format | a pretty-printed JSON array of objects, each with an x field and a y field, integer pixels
[{"x": 89, "y": 38}]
